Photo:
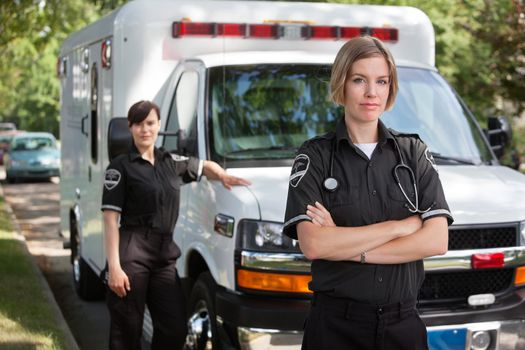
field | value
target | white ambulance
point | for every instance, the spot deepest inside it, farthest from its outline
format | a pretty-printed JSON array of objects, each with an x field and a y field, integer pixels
[{"x": 244, "y": 84}]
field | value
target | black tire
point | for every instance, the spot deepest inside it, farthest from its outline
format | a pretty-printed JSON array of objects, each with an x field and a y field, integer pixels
[
  {"x": 88, "y": 285},
  {"x": 202, "y": 315}
]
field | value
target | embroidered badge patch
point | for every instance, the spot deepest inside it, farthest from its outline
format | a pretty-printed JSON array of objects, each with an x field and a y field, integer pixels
[
  {"x": 299, "y": 169},
  {"x": 111, "y": 178},
  {"x": 431, "y": 160}
]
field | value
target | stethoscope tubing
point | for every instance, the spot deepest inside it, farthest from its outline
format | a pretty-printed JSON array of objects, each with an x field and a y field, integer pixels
[{"x": 331, "y": 184}]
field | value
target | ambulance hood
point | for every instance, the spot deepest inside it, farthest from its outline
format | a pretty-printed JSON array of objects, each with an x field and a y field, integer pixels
[
  {"x": 476, "y": 194},
  {"x": 484, "y": 194}
]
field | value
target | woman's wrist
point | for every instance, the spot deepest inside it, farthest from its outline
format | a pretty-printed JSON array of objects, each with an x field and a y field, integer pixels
[{"x": 114, "y": 265}]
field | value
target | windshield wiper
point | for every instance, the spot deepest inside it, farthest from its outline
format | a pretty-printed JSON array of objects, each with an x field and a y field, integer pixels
[{"x": 452, "y": 159}]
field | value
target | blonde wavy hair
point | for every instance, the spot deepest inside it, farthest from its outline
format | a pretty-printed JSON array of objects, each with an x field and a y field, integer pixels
[{"x": 354, "y": 50}]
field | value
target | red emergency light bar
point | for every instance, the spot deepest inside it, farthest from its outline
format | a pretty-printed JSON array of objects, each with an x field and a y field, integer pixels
[
  {"x": 277, "y": 31},
  {"x": 487, "y": 261}
]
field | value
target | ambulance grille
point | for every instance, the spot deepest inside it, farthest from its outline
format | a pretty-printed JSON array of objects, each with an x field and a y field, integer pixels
[
  {"x": 482, "y": 237},
  {"x": 458, "y": 286}
]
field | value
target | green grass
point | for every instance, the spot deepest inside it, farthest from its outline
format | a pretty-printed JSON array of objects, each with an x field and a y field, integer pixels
[{"x": 27, "y": 320}]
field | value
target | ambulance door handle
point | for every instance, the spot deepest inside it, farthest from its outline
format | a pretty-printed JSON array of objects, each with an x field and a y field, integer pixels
[
  {"x": 82, "y": 125},
  {"x": 89, "y": 173}
]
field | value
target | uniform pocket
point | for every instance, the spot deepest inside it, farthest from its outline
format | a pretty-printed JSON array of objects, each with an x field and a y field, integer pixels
[
  {"x": 398, "y": 204},
  {"x": 344, "y": 196},
  {"x": 395, "y": 193}
]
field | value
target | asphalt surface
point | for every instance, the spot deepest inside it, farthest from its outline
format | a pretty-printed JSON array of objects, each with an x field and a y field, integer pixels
[{"x": 36, "y": 207}]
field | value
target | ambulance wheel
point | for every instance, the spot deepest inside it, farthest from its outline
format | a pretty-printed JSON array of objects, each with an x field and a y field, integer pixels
[
  {"x": 87, "y": 284},
  {"x": 202, "y": 323}
]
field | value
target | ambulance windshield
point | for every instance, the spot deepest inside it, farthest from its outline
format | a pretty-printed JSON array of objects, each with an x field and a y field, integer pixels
[{"x": 265, "y": 112}]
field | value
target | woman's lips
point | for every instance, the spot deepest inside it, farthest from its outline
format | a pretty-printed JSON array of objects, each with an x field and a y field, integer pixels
[{"x": 370, "y": 105}]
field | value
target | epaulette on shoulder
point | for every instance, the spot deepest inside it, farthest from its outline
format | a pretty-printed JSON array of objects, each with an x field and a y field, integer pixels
[
  {"x": 120, "y": 157},
  {"x": 396, "y": 133},
  {"x": 319, "y": 138}
]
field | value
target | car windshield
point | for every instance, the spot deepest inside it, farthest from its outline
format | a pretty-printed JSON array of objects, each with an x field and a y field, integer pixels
[
  {"x": 268, "y": 111},
  {"x": 32, "y": 143}
]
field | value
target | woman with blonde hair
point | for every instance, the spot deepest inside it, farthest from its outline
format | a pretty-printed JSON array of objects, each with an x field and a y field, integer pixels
[{"x": 367, "y": 205}]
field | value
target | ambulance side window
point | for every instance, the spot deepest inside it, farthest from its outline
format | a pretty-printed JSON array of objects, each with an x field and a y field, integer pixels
[
  {"x": 94, "y": 114},
  {"x": 183, "y": 115}
]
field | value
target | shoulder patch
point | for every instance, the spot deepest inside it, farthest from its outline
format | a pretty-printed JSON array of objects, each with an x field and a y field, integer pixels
[
  {"x": 430, "y": 159},
  {"x": 299, "y": 169},
  {"x": 111, "y": 179}
]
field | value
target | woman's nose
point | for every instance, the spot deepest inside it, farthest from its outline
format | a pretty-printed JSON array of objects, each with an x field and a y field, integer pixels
[{"x": 370, "y": 90}]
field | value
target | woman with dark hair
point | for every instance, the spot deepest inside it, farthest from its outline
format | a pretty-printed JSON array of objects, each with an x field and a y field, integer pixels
[
  {"x": 367, "y": 205},
  {"x": 140, "y": 204}
]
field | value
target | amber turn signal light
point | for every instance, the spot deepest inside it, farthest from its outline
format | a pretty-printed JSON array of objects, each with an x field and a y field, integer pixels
[
  {"x": 520, "y": 276},
  {"x": 273, "y": 282}
]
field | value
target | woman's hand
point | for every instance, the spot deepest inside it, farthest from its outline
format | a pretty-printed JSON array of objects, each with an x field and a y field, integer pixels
[
  {"x": 319, "y": 215},
  {"x": 228, "y": 181},
  {"x": 118, "y": 282},
  {"x": 214, "y": 171}
]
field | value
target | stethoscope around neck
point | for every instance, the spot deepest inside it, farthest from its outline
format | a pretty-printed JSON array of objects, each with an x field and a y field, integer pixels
[{"x": 331, "y": 184}]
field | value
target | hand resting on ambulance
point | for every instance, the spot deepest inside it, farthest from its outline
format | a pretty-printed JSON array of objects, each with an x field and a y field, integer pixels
[
  {"x": 214, "y": 171},
  {"x": 388, "y": 242}
]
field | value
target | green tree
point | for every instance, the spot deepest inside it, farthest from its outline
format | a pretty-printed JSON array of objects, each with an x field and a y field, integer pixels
[{"x": 30, "y": 35}]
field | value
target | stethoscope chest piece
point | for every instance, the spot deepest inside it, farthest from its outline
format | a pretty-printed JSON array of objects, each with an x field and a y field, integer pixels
[{"x": 330, "y": 184}]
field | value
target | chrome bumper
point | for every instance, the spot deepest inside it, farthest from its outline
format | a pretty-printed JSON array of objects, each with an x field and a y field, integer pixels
[{"x": 504, "y": 335}]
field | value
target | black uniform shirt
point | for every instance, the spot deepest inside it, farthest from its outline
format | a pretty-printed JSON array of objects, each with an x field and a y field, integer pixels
[
  {"x": 147, "y": 196},
  {"x": 367, "y": 194}
]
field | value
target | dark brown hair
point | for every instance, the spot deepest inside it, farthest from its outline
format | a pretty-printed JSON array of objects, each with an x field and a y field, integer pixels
[
  {"x": 140, "y": 110},
  {"x": 352, "y": 51}
]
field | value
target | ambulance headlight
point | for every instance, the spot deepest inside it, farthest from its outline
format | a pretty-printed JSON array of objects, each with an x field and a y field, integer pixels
[{"x": 265, "y": 236}]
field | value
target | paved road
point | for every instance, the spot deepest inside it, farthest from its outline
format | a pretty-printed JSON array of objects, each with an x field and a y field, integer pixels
[{"x": 36, "y": 206}]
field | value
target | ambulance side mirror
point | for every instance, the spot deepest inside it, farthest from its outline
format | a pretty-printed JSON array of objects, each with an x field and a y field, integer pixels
[
  {"x": 119, "y": 137},
  {"x": 499, "y": 134},
  {"x": 181, "y": 140},
  {"x": 180, "y": 143}
]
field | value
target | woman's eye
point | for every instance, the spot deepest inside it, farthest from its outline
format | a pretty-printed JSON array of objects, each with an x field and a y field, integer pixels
[
  {"x": 358, "y": 80},
  {"x": 383, "y": 82}
]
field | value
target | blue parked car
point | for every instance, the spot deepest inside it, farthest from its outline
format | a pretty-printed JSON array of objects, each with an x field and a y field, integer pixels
[{"x": 32, "y": 155}]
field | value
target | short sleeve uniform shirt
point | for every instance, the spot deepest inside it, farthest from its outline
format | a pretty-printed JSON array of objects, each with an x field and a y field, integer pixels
[
  {"x": 367, "y": 193},
  {"x": 146, "y": 195}
]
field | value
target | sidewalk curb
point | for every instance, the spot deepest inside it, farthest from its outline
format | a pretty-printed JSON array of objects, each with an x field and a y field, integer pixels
[{"x": 70, "y": 341}]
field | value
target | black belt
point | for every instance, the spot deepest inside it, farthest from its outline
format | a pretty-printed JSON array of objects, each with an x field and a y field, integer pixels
[{"x": 345, "y": 305}]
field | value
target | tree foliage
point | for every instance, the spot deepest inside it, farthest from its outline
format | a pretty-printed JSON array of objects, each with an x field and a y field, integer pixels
[{"x": 31, "y": 32}]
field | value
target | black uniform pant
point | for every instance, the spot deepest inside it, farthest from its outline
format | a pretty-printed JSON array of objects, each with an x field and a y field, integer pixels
[
  {"x": 336, "y": 323},
  {"x": 149, "y": 261}
]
